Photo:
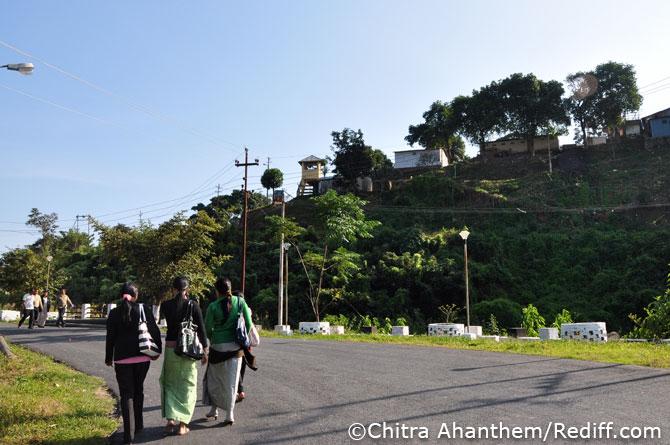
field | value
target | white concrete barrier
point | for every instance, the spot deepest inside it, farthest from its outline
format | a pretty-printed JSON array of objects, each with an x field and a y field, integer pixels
[
  {"x": 549, "y": 333},
  {"x": 495, "y": 338},
  {"x": 283, "y": 329},
  {"x": 446, "y": 329},
  {"x": 477, "y": 330},
  {"x": 85, "y": 311},
  {"x": 400, "y": 331},
  {"x": 469, "y": 336},
  {"x": 314, "y": 327},
  {"x": 337, "y": 330},
  {"x": 6, "y": 315},
  {"x": 528, "y": 338},
  {"x": 593, "y": 331}
]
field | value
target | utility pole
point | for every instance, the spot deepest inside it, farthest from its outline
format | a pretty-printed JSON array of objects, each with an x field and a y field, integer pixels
[
  {"x": 267, "y": 191},
  {"x": 549, "y": 151},
  {"x": 218, "y": 190},
  {"x": 286, "y": 282},
  {"x": 246, "y": 165},
  {"x": 140, "y": 217},
  {"x": 280, "y": 307}
]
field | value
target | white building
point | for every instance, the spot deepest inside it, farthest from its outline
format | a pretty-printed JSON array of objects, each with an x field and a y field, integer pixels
[{"x": 420, "y": 159}]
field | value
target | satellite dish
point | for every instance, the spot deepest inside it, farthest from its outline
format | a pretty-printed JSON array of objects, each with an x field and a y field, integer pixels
[{"x": 583, "y": 86}]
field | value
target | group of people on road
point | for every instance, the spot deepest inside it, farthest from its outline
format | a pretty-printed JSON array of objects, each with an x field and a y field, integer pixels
[
  {"x": 36, "y": 307},
  {"x": 216, "y": 336}
]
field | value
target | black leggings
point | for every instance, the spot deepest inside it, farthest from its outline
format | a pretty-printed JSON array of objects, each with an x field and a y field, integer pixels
[
  {"x": 61, "y": 314},
  {"x": 131, "y": 387}
]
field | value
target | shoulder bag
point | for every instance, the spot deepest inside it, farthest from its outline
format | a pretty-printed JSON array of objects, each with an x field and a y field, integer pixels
[
  {"x": 147, "y": 344},
  {"x": 188, "y": 343},
  {"x": 241, "y": 336}
]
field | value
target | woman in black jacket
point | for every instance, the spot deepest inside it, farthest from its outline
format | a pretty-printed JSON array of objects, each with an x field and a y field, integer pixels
[
  {"x": 123, "y": 351},
  {"x": 179, "y": 377}
]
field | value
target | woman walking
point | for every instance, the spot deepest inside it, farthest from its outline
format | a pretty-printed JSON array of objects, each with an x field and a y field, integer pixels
[
  {"x": 225, "y": 355},
  {"x": 179, "y": 378},
  {"x": 131, "y": 365},
  {"x": 46, "y": 305}
]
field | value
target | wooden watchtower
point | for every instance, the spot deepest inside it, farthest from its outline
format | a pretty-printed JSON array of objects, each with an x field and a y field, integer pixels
[{"x": 312, "y": 173}]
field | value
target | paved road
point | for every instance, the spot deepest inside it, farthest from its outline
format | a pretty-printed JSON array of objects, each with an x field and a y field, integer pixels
[{"x": 309, "y": 392}]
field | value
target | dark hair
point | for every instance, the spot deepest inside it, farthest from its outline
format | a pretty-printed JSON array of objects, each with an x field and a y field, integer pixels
[
  {"x": 181, "y": 285},
  {"x": 130, "y": 289},
  {"x": 224, "y": 288}
]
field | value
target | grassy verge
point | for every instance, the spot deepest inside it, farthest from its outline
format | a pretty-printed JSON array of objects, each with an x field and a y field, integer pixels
[
  {"x": 43, "y": 402},
  {"x": 641, "y": 354}
]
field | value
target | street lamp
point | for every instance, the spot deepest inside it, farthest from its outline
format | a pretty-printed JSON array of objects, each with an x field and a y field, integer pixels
[
  {"x": 49, "y": 260},
  {"x": 464, "y": 234},
  {"x": 23, "y": 68}
]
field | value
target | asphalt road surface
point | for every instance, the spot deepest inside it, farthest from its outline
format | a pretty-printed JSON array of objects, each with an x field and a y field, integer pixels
[{"x": 310, "y": 392}]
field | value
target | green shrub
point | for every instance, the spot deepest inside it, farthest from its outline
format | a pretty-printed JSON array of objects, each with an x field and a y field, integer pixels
[
  {"x": 562, "y": 317},
  {"x": 532, "y": 321},
  {"x": 506, "y": 312},
  {"x": 493, "y": 328}
]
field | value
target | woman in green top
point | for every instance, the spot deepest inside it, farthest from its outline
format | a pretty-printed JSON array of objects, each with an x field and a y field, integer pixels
[{"x": 225, "y": 355}]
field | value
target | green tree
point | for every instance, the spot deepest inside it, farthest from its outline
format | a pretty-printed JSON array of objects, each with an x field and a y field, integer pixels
[
  {"x": 601, "y": 98},
  {"x": 155, "y": 255},
  {"x": 438, "y": 131},
  {"x": 532, "y": 105},
  {"x": 272, "y": 178},
  {"x": 656, "y": 323},
  {"x": 47, "y": 224},
  {"x": 532, "y": 321},
  {"x": 353, "y": 158},
  {"x": 480, "y": 116}
]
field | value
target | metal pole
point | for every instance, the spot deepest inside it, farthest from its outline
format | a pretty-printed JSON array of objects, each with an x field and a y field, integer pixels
[
  {"x": 245, "y": 214},
  {"x": 280, "y": 307},
  {"x": 549, "y": 151},
  {"x": 467, "y": 287},
  {"x": 286, "y": 284},
  {"x": 48, "y": 273}
]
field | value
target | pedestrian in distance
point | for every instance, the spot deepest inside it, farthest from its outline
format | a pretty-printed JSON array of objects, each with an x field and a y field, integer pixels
[
  {"x": 179, "y": 377},
  {"x": 62, "y": 302},
  {"x": 37, "y": 305},
  {"x": 130, "y": 363},
  {"x": 28, "y": 308},
  {"x": 46, "y": 305},
  {"x": 225, "y": 354}
]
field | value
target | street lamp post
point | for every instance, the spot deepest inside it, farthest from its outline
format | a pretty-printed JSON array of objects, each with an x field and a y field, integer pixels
[
  {"x": 23, "y": 68},
  {"x": 49, "y": 259},
  {"x": 464, "y": 234}
]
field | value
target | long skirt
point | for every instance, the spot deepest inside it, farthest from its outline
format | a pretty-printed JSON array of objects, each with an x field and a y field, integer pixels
[
  {"x": 179, "y": 385},
  {"x": 42, "y": 318},
  {"x": 222, "y": 380}
]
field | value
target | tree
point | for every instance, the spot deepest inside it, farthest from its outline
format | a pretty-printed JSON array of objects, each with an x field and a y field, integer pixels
[
  {"x": 272, "y": 178},
  {"x": 353, "y": 158},
  {"x": 532, "y": 104},
  {"x": 600, "y": 98},
  {"x": 438, "y": 131},
  {"x": 479, "y": 116},
  {"x": 155, "y": 255},
  {"x": 46, "y": 223},
  {"x": 328, "y": 267}
]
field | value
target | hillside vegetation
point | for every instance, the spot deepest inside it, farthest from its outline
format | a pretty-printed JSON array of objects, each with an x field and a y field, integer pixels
[{"x": 591, "y": 237}]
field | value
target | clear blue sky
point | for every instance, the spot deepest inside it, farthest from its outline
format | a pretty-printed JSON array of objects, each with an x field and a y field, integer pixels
[{"x": 277, "y": 76}]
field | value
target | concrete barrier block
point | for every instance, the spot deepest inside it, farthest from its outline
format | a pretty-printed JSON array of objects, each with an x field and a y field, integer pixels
[
  {"x": 446, "y": 329},
  {"x": 6, "y": 315},
  {"x": 85, "y": 311},
  {"x": 402, "y": 331},
  {"x": 549, "y": 333},
  {"x": 477, "y": 330},
  {"x": 528, "y": 338},
  {"x": 469, "y": 336},
  {"x": 495, "y": 338},
  {"x": 283, "y": 329},
  {"x": 337, "y": 330},
  {"x": 314, "y": 327},
  {"x": 592, "y": 331}
]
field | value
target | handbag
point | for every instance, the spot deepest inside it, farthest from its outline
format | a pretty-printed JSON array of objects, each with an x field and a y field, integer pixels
[
  {"x": 241, "y": 336},
  {"x": 254, "y": 337},
  {"x": 188, "y": 343},
  {"x": 147, "y": 344}
]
